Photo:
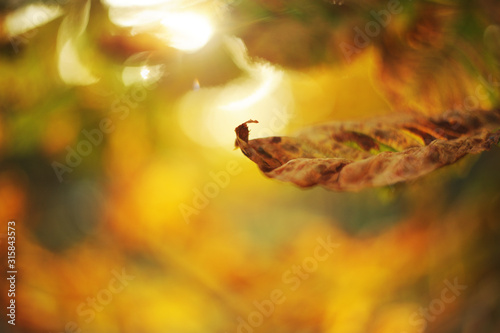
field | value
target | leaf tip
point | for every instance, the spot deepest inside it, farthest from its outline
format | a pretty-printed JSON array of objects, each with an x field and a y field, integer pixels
[{"x": 242, "y": 133}]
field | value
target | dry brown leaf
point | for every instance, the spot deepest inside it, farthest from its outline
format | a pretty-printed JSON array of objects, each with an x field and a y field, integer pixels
[{"x": 350, "y": 156}]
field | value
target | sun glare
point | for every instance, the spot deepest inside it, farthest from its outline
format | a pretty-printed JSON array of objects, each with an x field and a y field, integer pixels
[
  {"x": 145, "y": 73},
  {"x": 187, "y": 31},
  {"x": 268, "y": 79},
  {"x": 209, "y": 115},
  {"x": 182, "y": 24}
]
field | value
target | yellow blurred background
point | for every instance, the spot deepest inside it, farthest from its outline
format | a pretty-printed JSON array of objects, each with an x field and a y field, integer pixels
[{"x": 134, "y": 213}]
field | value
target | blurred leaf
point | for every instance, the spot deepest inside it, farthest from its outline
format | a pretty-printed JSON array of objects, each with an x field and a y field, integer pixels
[
  {"x": 430, "y": 55},
  {"x": 351, "y": 156},
  {"x": 71, "y": 67},
  {"x": 439, "y": 61}
]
